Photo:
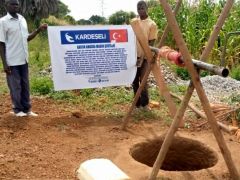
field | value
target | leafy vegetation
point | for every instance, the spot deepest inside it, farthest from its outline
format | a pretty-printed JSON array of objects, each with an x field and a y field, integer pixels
[
  {"x": 196, "y": 22},
  {"x": 121, "y": 17},
  {"x": 182, "y": 73},
  {"x": 35, "y": 10},
  {"x": 41, "y": 85},
  {"x": 95, "y": 19},
  {"x": 235, "y": 73}
]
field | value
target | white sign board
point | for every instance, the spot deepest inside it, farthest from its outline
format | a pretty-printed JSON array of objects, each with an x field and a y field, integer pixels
[{"x": 92, "y": 56}]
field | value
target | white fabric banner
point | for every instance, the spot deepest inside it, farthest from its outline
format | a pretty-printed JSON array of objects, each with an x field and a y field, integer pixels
[{"x": 92, "y": 56}]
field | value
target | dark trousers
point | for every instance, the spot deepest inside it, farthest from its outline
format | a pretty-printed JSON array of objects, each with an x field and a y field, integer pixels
[
  {"x": 18, "y": 84},
  {"x": 144, "y": 97}
]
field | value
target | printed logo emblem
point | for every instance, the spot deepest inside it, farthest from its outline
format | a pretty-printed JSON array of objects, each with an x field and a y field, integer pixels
[
  {"x": 69, "y": 38},
  {"x": 118, "y": 35}
]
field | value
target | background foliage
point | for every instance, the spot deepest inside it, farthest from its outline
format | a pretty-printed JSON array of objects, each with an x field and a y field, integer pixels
[{"x": 196, "y": 21}]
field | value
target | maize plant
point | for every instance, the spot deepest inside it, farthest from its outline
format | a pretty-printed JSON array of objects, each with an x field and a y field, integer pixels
[{"x": 196, "y": 21}]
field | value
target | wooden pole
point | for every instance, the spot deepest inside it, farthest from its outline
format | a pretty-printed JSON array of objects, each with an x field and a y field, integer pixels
[
  {"x": 203, "y": 98},
  {"x": 157, "y": 73},
  {"x": 136, "y": 97},
  {"x": 159, "y": 80},
  {"x": 166, "y": 30},
  {"x": 152, "y": 66},
  {"x": 217, "y": 28},
  {"x": 170, "y": 134}
]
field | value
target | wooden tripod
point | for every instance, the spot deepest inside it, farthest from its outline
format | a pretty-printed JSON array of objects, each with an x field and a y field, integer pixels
[
  {"x": 195, "y": 83},
  {"x": 154, "y": 67}
]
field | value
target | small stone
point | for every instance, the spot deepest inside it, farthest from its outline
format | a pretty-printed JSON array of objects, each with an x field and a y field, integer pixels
[{"x": 76, "y": 114}]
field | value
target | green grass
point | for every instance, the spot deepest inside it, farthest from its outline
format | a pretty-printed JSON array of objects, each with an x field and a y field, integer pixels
[
  {"x": 41, "y": 85},
  {"x": 39, "y": 55},
  {"x": 235, "y": 73},
  {"x": 3, "y": 84},
  {"x": 105, "y": 99}
]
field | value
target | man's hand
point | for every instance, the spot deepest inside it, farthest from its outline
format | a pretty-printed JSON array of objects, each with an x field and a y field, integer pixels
[
  {"x": 42, "y": 27},
  {"x": 7, "y": 69}
]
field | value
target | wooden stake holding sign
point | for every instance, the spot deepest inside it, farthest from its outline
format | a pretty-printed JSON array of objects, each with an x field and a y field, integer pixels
[{"x": 195, "y": 83}]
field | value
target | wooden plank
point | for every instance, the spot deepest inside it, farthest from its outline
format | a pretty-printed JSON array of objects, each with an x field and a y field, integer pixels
[
  {"x": 156, "y": 69},
  {"x": 136, "y": 97},
  {"x": 217, "y": 28},
  {"x": 166, "y": 30},
  {"x": 170, "y": 134},
  {"x": 159, "y": 80},
  {"x": 157, "y": 73},
  {"x": 152, "y": 65}
]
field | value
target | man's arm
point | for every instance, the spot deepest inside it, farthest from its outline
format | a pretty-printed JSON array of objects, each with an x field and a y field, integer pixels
[
  {"x": 3, "y": 56},
  {"x": 37, "y": 31}
]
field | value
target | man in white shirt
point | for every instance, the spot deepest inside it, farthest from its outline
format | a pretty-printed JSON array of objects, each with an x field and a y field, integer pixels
[{"x": 14, "y": 39}]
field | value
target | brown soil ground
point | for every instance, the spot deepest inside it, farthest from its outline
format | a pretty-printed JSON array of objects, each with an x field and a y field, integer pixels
[{"x": 53, "y": 145}]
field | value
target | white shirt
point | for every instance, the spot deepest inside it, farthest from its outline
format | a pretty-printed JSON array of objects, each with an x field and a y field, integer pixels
[{"x": 14, "y": 33}]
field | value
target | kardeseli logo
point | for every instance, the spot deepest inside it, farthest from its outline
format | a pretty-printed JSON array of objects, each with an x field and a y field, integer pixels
[{"x": 69, "y": 38}]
